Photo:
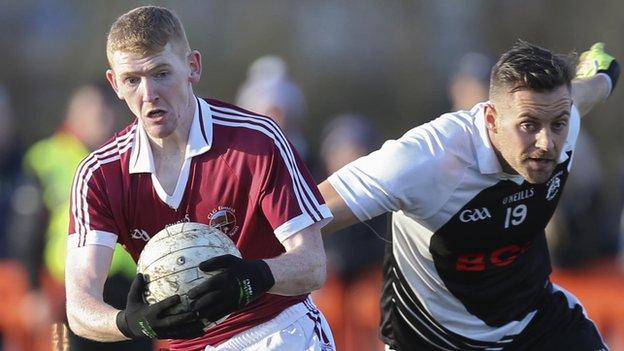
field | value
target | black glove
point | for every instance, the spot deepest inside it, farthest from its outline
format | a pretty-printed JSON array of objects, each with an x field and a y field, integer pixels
[
  {"x": 140, "y": 320},
  {"x": 238, "y": 283}
]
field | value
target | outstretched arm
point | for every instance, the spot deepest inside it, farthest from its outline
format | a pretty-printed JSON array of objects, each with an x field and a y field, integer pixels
[
  {"x": 343, "y": 216},
  {"x": 587, "y": 92},
  {"x": 596, "y": 76}
]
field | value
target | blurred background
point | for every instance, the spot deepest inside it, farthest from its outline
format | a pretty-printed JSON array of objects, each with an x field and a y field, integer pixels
[{"x": 382, "y": 67}]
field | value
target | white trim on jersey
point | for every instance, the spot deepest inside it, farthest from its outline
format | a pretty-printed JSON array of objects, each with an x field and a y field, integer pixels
[
  {"x": 142, "y": 158},
  {"x": 294, "y": 174},
  {"x": 417, "y": 330},
  {"x": 306, "y": 199},
  {"x": 298, "y": 223},
  {"x": 200, "y": 137},
  {"x": 269, "y": 128},
  {"x": 99, "y": 161},
  {"x": 94, "y": 237},
  {"x": 178, "y": 193},
  {"x": 571, "y": 299},
  {"x": 485, "y": 155},
  {"x": 105, "y": 154},
  {"x": 573, "y": 132}
]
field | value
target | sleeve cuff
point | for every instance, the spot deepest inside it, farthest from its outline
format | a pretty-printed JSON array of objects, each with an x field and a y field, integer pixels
[
  {"x": 93, "y": 237},
  {"x": 301, "y": 222},
  {"x": 608, "y": 82}
]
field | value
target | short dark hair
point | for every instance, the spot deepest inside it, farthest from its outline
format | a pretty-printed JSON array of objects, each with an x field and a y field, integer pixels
[{"x": 529, "y": 67}]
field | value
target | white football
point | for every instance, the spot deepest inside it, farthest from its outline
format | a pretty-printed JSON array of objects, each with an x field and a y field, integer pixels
[{"x": 169, "y": 261}]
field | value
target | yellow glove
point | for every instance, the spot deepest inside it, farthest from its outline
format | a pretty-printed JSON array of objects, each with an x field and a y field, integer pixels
[{"x": 595, "y": 61}]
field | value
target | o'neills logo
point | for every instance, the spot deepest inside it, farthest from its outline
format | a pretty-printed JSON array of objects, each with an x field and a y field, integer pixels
[
  {"x": 224, "y": 219},
  {"x": 521, "y": 195},
  {"x": 185, "y": 219}
]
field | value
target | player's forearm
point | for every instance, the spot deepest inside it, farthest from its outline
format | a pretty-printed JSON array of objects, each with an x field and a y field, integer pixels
[
  {"x": 343, "y": 216},
  {"x": 93, "y": 319},
  {"x": 294, "y": 276},
  {"x": 88, "y": 315},
  {"x": 302, "y": 268},
  {"x": 587, "y": 92}
]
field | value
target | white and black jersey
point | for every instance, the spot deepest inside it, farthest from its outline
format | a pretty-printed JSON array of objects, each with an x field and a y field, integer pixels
[{"x": 469, "y": 266}]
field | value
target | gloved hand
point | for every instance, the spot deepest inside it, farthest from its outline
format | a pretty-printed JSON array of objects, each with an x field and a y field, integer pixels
[
  {"x": 140, "y": 320},
  {"x": 238, "y": 283},
  {"x": 595, "y": 61}
]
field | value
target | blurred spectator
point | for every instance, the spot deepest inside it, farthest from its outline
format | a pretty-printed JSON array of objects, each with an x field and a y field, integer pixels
[
  {"x": 11, "y": 177},
  {"x": 270, "y": 91},
  {"x": 621, "y": 237},
  {"x": 346, "y": 138},
  {"x": 350, "y": 297},
  {"x": 19, "y": 212},
  {"x": 470, "y": 83},
  {"x": 583, "y": 242},
  {"x": 89, "y": 119}
]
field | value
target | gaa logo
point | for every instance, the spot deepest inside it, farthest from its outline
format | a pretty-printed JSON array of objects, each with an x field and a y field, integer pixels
[
  {"x": 474, "y": 215},
  {"x": 224, "y": 219}
]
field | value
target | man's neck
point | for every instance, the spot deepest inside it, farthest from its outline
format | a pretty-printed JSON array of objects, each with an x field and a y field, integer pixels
[
  {"x": 169, "y": 152},
  {"x": 175, "y": 144},
  {"x": 505, "y": 166}
]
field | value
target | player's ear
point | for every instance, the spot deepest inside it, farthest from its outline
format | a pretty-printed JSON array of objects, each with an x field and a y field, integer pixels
[
  {"x": 491, "y": 115},
  {"x": 194, "y": 61},
  {"x": 110, "y": 76}
]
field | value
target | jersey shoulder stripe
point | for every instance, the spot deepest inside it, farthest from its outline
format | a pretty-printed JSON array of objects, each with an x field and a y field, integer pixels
[
  {"x": 306, "y": 199},
  {"x": 109, "y": 152},
  {"x": 236, "y": 117}
]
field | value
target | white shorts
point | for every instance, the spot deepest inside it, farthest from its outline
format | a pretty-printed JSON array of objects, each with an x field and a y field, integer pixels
[{"x": 301, "y": 327}]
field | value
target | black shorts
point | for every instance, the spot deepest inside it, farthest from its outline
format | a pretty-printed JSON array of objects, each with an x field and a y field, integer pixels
[{"x": 555, "y": 327}]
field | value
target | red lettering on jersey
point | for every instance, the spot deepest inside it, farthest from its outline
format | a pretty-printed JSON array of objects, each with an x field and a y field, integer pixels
[
  {"x": 500, "y": 257},
  {"x": 471, "y": 262},
  {"x": 505, "y": 255}
]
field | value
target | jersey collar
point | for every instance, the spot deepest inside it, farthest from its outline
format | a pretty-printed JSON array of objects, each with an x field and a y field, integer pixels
[
  {"x": 199, "y": 142},
  {"x": 486, "y": 156}
]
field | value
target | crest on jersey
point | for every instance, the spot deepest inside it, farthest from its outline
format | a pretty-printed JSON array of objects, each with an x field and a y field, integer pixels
[
  {"x": 224, "y": 219},
  {"x": 553, "y": 186}
]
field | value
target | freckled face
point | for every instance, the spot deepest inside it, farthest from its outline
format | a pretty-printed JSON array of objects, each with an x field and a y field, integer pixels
[{"x": 157, "y": 88}]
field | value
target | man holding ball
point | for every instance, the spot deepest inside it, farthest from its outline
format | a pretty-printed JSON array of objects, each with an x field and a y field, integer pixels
[{"x": 188, "y": 159}]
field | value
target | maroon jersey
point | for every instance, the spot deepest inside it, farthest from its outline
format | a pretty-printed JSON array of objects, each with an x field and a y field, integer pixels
[{"x": 240, "y": 175}]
